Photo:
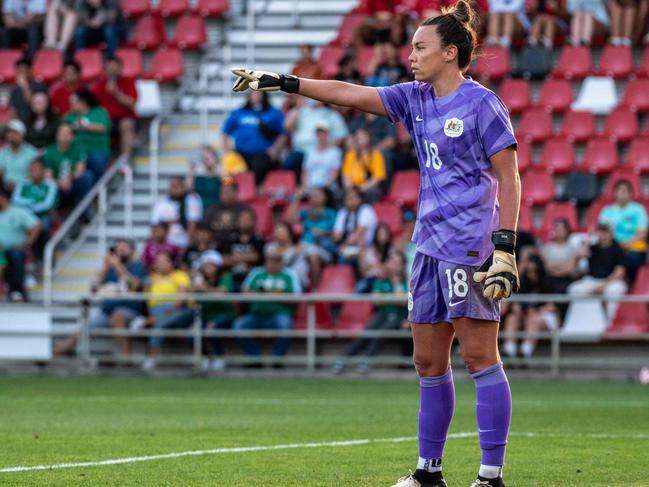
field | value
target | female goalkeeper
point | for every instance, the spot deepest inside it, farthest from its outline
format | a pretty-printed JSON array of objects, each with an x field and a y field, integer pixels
[{"x": 465, "y": 233}]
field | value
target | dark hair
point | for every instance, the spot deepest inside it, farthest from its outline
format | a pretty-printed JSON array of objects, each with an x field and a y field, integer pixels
[
  {"x": 564, "y": 222},
  {"x": 4, "y": 190},
  {"x": 72, "y": 64},
  {"x": 265, "y": 102},
  {"x": 455, "y": 27},
  {"x": 289, "y": 229},
  {"x": 383, "y": 248},
  {"x": 38, "y": 160},
  {"x": 87, "y": 97},
  {"x": 24, "y": 61},
  {"x": 623, "y": 182},
  {"x": 113, "y": 59}
]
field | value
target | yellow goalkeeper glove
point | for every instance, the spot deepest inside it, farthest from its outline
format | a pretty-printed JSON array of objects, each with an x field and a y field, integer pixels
[
  {"x": 265, "y": 81},
  {"x": 499, "y": 272}
]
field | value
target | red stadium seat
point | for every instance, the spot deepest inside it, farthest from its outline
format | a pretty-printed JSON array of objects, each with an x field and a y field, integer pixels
[
  {"x": 616, "y": 62},
  {"x": 555, "y": 211},
  {"x": 557, "y": 156},
  {"x": 135, "y": 8},
  {"x": 6, "y": 114},
  {"x": 493, "y": 63},
  {"x": 578, "y": 126},
  {"x": 535, "y": 125},
  {"x": 278, "y": 186},
  {"x": 537, "y": 187},
  {"x": 641, "y": 284},
  {"x": 8, "y": 59},
  {"x": 621, "y": 126},
  {"x": 630, "y": 319},
  {"x": 262, "y": 210},
  {"x": 516, "y": 94},
  {"x": 132, "y": 66},
  {"x": 172, "y": 8},
  {"x": 48, "y": 65},
  {"x": 329, "y": 58},
  {"x": 574, "y": 63},
  {"x": 638, "y": 155},
  {"x": 322, "y": 316},
  {"x": 212, "y": 8},
  {"x": 354, "y": 316},
  {"x": 149, "y": 32},
  {"x": 643, "y": 69},
  {"x": 347, "y": 28},
  {"x": 556, "y": 95},
  {"x": 337, "y": 279},
  {"x": 364, "y": 57},
  {"x": 601, "y": 156},
  {"x": 524, "y": 156},
  {"x": 91, "y": 63},
  {"x": 526, "y": 219},
  {"x": 404, "y": 190},
  {"x": 190, "y": 32},
  {"x": 624, "y": 174},
  {"x": 404, "y": 54},
  {"x": 166, "y": 66},
  {"x": 592, "y": 214},
  {"x": 636, "y": 95},
  {"x": 246, "y": 184},
  {"x": 389, "y": 213}
]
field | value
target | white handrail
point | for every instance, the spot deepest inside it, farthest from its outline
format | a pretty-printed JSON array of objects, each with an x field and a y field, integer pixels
[
  {"x": 202, "y": 83},
  {"x": 154, "y": 157}
]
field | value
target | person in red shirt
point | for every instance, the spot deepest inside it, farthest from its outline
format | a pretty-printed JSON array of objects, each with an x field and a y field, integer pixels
[
  {"x": 118, "y": 95},
  {"x": 61, "y": 91}
]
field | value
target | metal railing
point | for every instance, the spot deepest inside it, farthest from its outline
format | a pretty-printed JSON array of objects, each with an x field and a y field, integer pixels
[{"x": 98, "y": 193}]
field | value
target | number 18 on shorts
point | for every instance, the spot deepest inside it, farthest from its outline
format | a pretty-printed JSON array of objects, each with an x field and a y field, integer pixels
[{"x": 441, "y": 291}]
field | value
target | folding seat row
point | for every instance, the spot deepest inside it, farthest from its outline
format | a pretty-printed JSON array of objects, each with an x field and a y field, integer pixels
[
  {"x": 149, "y": 33},
  {"x": 174, "y": 8}
]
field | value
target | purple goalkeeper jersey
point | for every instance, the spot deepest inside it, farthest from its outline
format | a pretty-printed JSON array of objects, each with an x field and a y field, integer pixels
[{"x": 455, "y": 135}]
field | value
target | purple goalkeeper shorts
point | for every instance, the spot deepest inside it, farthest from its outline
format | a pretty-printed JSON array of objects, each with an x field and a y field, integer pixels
[{"x": 441, "y": 291}]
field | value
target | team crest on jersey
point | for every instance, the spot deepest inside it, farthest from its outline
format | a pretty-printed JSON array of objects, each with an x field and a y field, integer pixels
[
  {"x": 453, "y": 127},
  {"x": 410, "y": 302}
]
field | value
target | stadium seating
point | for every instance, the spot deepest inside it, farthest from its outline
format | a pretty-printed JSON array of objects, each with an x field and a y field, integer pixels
[
  {"x": 616, "y": 61},
  {"x": 630, "y": 319},
  {"x": 149, "y": 32},
  {"x": 337, "y": 279},
  {"x": 638, "y": 155},
  {"x": 190, "y": 33},
  {"x": 592, "y": 214},
  {"x": 132, "y": 66},
  {"x": 493, "y": 63},
  {"x": 404, "y": 190},
  {"x": 262, "y": 210},
  {"x": 364, "y": 57},
  {"x": 322, "y": 317},
  {"x": 558, "y": 156},
  {"x": 643, "y": 69},
  {"x": 278, "y": 186},
  {"x": 621, "y": 126},
  {"x": 354, "y": 316},
  {"x": 516, "y": 94},
  {"x": 6, "y": 113},
  {"x": 597, "y": 95},
  {"x": 524, "y": 156},
  {"x": 578, "y": 126},
  {"x": 574, "y": 63},
  {"x": 555, "y": 211},
  {"x": 212, "y": 8},
  {"x": 535, "y": 125},
  {"x": 601, "y": 156},
  {"x": 389, "y": 213},
  {"x": 91, "y": 63},
  {"x": 246, "y": 183},
  {"x": 48, "y": 65},
  {"x": 135, "y": 8},
  {"x": 526, "y": 219},
  {"x": 537, "y": 187},
  {"x": 8, "y": 59},
  {"x": 172, "y": 8},
  {"x": 621, "y": 174},
  {"x": 329, "y": 58},
  {"x": 636, "y": 95},
  {"x": 166, "y": 66},
  {"x": 347, "y": 27},
  {"x": 581, "y": 187},
  {"x": 556, "y": 95}
]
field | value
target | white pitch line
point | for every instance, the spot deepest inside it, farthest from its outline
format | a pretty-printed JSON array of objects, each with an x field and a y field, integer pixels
[{"x": 293, "y": 446}]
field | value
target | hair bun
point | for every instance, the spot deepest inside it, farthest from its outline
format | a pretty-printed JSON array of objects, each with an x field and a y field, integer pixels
[{"x": 463, "y": 12}]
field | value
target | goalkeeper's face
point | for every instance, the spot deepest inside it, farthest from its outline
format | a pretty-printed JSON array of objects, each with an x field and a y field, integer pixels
[{"x": 428, "y": 58}]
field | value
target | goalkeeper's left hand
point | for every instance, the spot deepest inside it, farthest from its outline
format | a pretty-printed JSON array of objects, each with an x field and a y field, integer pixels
[
  {"x": 265, "y": 81},
  {"x": 499, "y": 272}
]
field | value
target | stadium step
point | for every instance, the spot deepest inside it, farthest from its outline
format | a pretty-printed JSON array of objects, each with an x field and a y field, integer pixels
[{"x": 288, "y": 37}]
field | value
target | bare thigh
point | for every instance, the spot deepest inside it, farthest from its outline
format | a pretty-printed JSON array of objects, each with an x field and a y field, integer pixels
[
  {"x": 432, "y": 348},
  {"x": 478, "y": 342}
]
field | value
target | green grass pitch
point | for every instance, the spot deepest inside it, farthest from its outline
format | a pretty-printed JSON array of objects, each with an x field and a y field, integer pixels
[{"x": 564, "y": 434}]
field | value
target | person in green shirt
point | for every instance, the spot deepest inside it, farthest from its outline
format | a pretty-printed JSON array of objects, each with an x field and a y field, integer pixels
[
  {"x": 271, "y": 278},
  {"x": 66, "y": 164},
  {"x": 17, "y": 155},
  {"x": 91, "y": 124},
  {"x": 385, "y": 316}
]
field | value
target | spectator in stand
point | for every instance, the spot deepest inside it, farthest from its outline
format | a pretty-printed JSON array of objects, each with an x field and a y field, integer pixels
[
  {"x": 19, "y": 230},
  {"x": 302, "y": 122},
  {"x": 26, "y": 86},
  {"x": 381, "y": 25},
  {"x": 321, "y": 163},
  {"x": 364, "y": 166},
  {"x": 118, "y": 95},
  {"x": 405, "y": 243},
  {"x": 317, "y": 221},
  {"x": 16, "y": 155},
  {"x": 355, "y": 226},
  {"x": 245, "y": 249},
  {"x": 385, "y": 317},
  {"x": 628, "y": 220},
  {"x": 60, "y": 22},
  {"x": 507, "y": 18},
  {"x": 256, "y": 131},
  {"x": 100, "y": 20},
  {"x": 544, "y": 26},
  {"x": 66, "y": 164},
  {"x": 215, "y": 315},
  {"x": 272, "y": 278},
  {"x": 560, "y": 257},
  {"x": 383, "y": 133},
  {"x": 91, "y": 125},
  {"x": 374, "y": 258},
  {"x": 589, "y": 17},
  {"x": 307, "y": 66},
  {"x": 121, "y": 271},
  {"x": 23, "y": 21},
  {"x": 294, "y": 256},
  {"x": 42, "y": 123},
  {"x": 623, "y": 14},
  {"x": 181, "y": 210},
  {"x": 165, "y": 313},
  {"x": 347, "y": 70},
  {"x": 67, "y": 86},
  {"x": 158, "y": 244},
  {"x": 204, "y": 176},
  {"x": 203, "y": 242},
  {"x": 386, "y": 67},
  {"x": 222, "y": 217},
  {"x": 532, "y": 317},
  {"x": 605, "y": 263}
]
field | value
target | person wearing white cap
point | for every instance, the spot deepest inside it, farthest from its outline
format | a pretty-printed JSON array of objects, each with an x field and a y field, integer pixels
[{"x": 17, "y": 155}]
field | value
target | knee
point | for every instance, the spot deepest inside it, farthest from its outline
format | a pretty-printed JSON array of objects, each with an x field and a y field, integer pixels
[
  {"x": 118, "y": 320},
  {"x": 428, "y": 366},
  {"x": 476, "y": 358},
  {"x": 127, "y": 125},
  {"x": 284, "y": 322}
]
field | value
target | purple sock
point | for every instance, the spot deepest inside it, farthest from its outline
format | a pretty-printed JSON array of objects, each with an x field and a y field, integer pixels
[
  {"x": 435, "y": 414},
  {"x": 493, "y": 412}
]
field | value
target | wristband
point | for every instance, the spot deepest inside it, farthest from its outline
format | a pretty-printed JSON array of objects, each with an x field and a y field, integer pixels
[
  {"x": 504, "y": 240},
  {"x": 290, "y": 83}
]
